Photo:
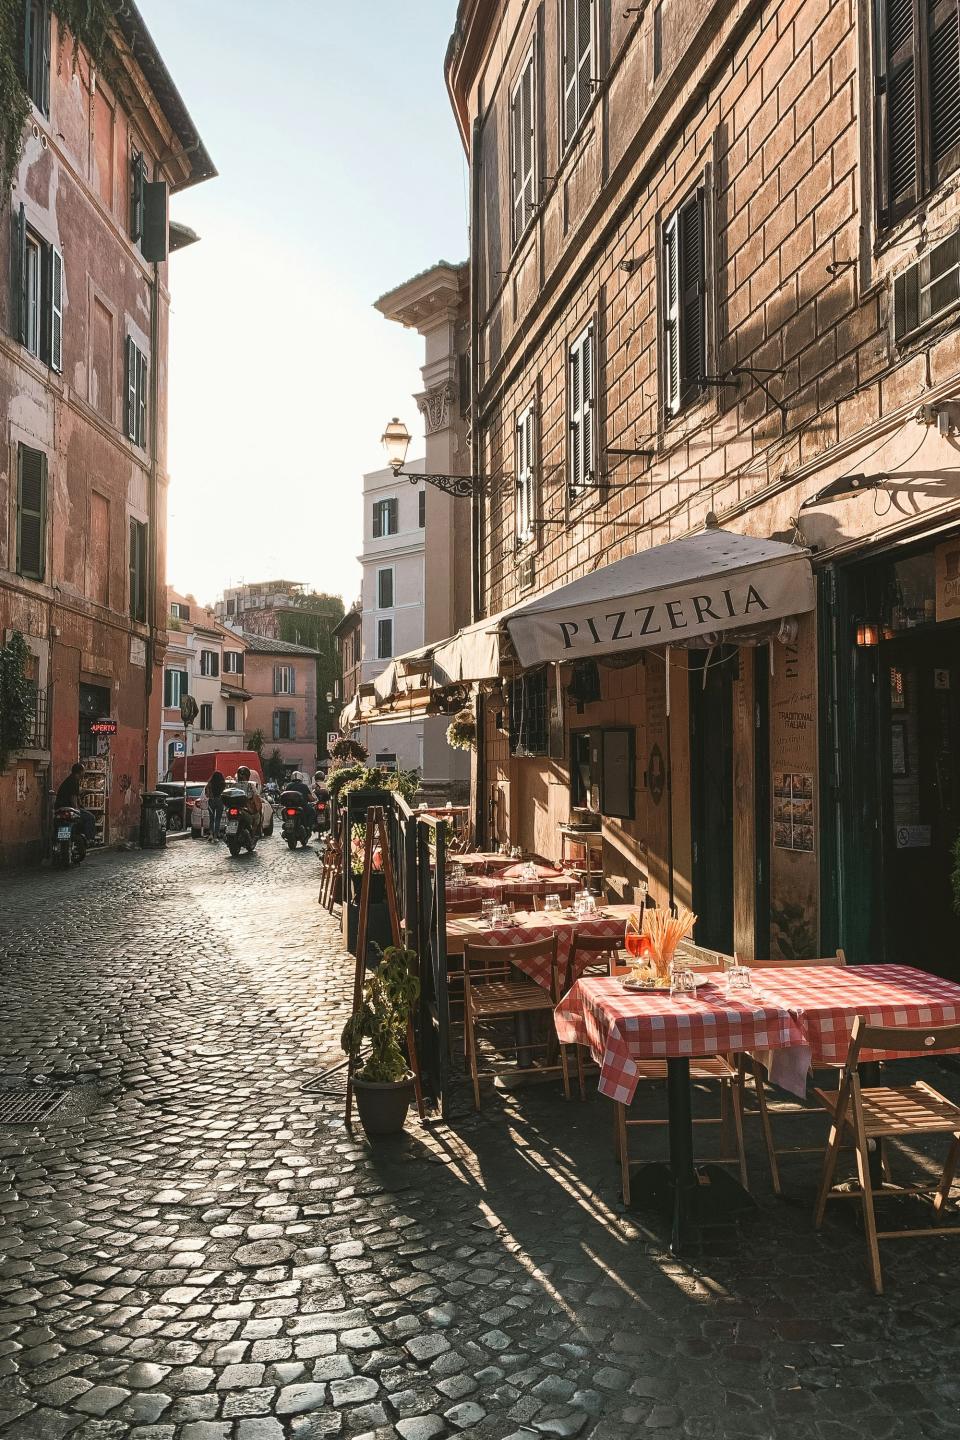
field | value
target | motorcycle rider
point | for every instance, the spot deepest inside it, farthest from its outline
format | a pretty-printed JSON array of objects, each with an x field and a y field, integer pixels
[
  {"x": 244, "y": 782},
  {"x": 298, "y": 783},
  {"x": 68, "y": 794},
  {"x": 321, "y": 793}
]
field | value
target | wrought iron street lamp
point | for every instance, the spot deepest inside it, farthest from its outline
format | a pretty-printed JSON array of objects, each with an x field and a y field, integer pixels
[{"x": 396, "y": 441}]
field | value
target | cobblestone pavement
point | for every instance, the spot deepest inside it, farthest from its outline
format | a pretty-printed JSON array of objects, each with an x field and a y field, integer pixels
[{"x": 193, "y": 1248}]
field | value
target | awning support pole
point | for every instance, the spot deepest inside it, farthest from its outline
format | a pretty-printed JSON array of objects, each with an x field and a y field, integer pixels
[{"x": 669, "y": 789}]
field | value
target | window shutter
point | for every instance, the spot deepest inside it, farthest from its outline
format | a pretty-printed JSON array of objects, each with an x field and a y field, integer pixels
[
  {"x": 944, "y": 71},
  {"x": 587, "y": 363},
  {"x": 570, "y": 9},
  {"x": 276, "y": 724},
  {"x": 899, "y": 92},
  {"x": 692, "y": 286},
  {"x": 56, "y": 310},
  {"x": 516, "y": 129},
  {"x": 43, "y": 93},
  {"x": 377, "y": 520},
  {"x": 141, "y": 436},
  {"x": 131, "y": 406},
  {"x": 24, "y": 38},
  {"x": 529, "y": 139},
  {"x": 576, "y": 438},
  {"x": 18, "y": 274},
  {"x": 276, "y": 679},
  {"x": 292, "y": 724},
  {"x": 31, "y": 512},
  {"x": 154, "y": 241},
  {"x": 422, "y": 509},
  {"x": 584, "y": 56},
  {"x": 671, "y": 319},
  {"x": 394, "y": 523},
  {"x": 292, "y": 678},
  {"x": 138, "y": 181}
]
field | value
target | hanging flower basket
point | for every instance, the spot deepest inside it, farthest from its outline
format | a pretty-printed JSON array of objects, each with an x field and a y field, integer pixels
[{"x": 462, "y": 731}]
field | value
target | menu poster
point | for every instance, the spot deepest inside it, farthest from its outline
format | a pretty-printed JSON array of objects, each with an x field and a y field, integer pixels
[{"x": 792, "y": 810}]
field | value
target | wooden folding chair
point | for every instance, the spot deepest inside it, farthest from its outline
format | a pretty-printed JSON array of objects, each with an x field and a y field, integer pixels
[
  {"x": 493, "y": 991},
  {"x": 873, "y": 1112},
  {"x": 330, "y": 874},
  {"x": 463, "y": 907},
  {"x": 751, "y": 1066},
  {"x": 590, "y": 955}
]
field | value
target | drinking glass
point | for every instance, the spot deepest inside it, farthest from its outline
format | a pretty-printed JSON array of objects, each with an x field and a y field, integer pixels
[
  {"x": 682, "y": 980},
  {"x": 551, "y": 902},
  {"x": 739, "y": 980},
  {"x": 588, "y": 903},
  {"x": 487, "y": 910},
  {"x": 530, "y": 871}
]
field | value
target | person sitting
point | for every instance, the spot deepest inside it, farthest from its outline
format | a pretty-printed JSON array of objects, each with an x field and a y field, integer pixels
[
  {"x": 244, "y": 782},
  {"x": 298, "y": 783},
  {"x": 68, "y": 796},
  {"x": 214, "y": 791}
]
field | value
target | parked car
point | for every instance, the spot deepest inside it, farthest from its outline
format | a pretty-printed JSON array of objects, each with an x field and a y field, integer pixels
[
  {"x": 173, "y": 790},
  {"x": 200, "y": 814}
]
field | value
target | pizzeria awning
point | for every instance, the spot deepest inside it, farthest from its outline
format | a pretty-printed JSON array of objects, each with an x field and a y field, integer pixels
[{"x": 708, "y": 585}]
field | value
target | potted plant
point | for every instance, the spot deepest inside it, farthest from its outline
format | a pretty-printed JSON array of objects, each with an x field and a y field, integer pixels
[
  {"x": 462, "y": 731},
  {"x": 383, "y": 1084}
]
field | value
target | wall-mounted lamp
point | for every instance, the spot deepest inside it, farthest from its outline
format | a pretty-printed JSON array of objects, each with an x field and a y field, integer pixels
[
  {"x": 846, "y": 485},
  {"x": 396, "y": 440},
  {"x": 629, "y": 266},
  {"x": 868, "y": 634}
]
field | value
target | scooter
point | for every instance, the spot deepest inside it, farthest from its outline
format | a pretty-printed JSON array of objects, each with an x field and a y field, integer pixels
[
  {"x": 323, "y": 817},
  {"x": 241, "y": 826},
  {"x": 69, "y": 841},
  {"x": 297, "y": 822}
]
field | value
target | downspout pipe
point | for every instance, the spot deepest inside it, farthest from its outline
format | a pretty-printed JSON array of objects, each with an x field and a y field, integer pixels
[
  {"x": 476, "y": 513},
  {"x": 152, "y": 548}
]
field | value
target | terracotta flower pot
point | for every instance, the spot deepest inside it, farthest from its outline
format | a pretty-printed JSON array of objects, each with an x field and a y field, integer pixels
[{"x": 382, "y": 1105}]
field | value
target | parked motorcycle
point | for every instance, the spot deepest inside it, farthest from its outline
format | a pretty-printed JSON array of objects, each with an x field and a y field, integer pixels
[
  {"x": 241, "y": 824},
  {"x": 297, "y": 819},
  {"x": 69, "y": 841}
]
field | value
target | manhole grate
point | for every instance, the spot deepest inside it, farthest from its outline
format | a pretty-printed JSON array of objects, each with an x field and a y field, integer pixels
[
  {"x": 331, "y": 1085},
  {"x": 21, "y": 1106}
]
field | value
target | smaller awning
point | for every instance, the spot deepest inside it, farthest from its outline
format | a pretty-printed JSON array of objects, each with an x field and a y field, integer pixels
[
  {"x": 472, "y": 654},
  {"x": 709, "y": 584},
  {"x": 233, "y": 692},
  {"x": 350, "y": 714}
]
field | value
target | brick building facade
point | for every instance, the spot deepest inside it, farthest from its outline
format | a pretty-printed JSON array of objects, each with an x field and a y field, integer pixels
[
  {"x": 83, "y": 384},
  {"x": 714, "y": 271}
]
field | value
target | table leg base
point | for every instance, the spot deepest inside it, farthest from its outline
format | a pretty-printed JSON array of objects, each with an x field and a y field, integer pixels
[{"x": 717, "y": 1197}]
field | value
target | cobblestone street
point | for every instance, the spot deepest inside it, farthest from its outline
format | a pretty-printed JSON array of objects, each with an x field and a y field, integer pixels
[{"x": 193, "y": 1248}]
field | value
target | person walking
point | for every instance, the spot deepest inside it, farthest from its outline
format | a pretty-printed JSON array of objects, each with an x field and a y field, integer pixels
[{"x": 214, "y": 790}]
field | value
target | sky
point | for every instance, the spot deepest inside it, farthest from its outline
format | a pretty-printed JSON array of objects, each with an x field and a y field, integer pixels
[{"x": 341, "y": 174}]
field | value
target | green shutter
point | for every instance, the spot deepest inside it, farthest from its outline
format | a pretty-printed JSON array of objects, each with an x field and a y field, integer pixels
[
  {"x": 31, "y": 512},
  {"x": 131, "y": 405},
  {"x": 56, "y": 310},
  {"x": 43, "y": 89},
  {"x": 18, "y": 274},
  {"x": 154, "y": 241}
]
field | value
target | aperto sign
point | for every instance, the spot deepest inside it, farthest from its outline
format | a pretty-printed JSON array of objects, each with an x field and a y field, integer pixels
[{"x": 103, "y": 727}]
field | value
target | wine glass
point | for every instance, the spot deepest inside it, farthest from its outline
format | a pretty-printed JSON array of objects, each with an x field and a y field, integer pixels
[{"x": 551, "y": 903}]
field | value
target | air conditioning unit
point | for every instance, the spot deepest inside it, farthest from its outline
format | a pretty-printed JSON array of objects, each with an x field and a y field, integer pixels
[{"x": 927, "y": 289}]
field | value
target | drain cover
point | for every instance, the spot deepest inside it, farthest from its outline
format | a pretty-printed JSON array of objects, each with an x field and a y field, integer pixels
[
  {"x": 22, "y": 1106},
  {"x": 331, "y": 1085}
]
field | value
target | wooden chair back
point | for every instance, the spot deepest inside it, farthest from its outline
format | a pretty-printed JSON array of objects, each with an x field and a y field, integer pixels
[
  {"x": 699, "y": 957},
  {"x": 838, "y": 959},
  {"x": 486, "y": 964},
  {"x": 585, "y": 949},
  {"x": 899, "y": 1039},
  {"x": 463, "y": 907}
]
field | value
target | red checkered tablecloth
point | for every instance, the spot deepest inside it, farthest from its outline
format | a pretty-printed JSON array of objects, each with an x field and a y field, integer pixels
[
  {"x": 541, "y": 927},
  {"x": 620, "y": 1028},
  {"x": 494, "y": 887},
  {"x": 826, "y": 999}
]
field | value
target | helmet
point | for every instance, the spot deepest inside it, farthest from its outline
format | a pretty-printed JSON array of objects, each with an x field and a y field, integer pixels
[{"x": 243, "y": 772}]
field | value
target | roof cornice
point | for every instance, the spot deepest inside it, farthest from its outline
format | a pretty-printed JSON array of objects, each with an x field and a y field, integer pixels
[{"x": 464, "y": 54}]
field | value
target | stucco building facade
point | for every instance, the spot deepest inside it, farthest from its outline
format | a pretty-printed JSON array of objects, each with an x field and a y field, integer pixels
[
  {"x": 205, "y": 660},
  {"x": 83, "y": 384},
  {"x": 281, "y": 681},
  {"x": 714, "y": 284}
]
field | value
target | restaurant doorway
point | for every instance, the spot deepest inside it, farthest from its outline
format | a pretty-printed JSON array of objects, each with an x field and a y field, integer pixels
[
  {"x": 896, "y": 716},
  {"x": 711, "y": 674}
]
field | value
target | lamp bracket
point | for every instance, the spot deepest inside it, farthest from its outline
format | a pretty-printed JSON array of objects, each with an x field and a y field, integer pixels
[{"x": 461, "y": 486}]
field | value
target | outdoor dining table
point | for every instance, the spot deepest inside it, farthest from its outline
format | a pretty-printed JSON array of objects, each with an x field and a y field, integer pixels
[
  {"x": 482, "y": 862},
  {"x": 802, "y": 1015},
  {"x": 610, "y": 922},
  {"x": 502, "y": 887}
]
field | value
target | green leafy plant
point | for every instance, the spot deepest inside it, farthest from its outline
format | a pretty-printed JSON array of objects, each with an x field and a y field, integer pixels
[
  {"x": 90, "y": 23},
  {"x": 381, "y": 1021},
  {"x": 341, "y": 776},
  {"x": 256, "y": 741},
  {"x": 462, "y": 731},
  {"x": 793, "y": 934},
  {"x": 17, "y": 698},
  {"x": 274, "y": 768},
  {"x": 347, "y": 751}
]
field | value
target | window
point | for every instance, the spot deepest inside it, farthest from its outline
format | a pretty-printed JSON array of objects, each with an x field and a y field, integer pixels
[
  {"x": 138, "y": 193},
  {"x": 31, "y": 512},
  {"x": 529, "y": 718},
  {"x": 34, "y": 24},
  {"x": 284, "y": 725},
  {"x": 386, "y": 760},
  {"x": 231, "y": 718},
  {"x": 683, "y": 305},
  {"x": 617, "y": 784},
  {"x": 138, "y": 570},
  {"x": 384, "y": 639},
  {"x": 581, "y": 366},
  {"x": 523, "y": 447},
  {"x": 917, "y": 102},
  {"x": 179, "y": 611},
  {"x": 581, "y": 770},
  {"x": 206, "y": 717},
  {"x": 384, "y": 518},
  {"x": 385, "y": 589},
  {"x": 233, "y": 662},
  {"x": 136, "y": 408},
  {"x": 283, "y": 680},
  {"x": 422, "y": 509},
  {"x": 523, "y": 143},
  {"x": 579, "y": 23},
  {"x": 174, "y": 688},
  {"x": 231, "y": 607},
  {"x": 37, "y": 291},
  {"x": 209, "y": 663}
]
